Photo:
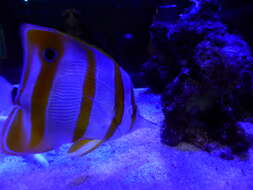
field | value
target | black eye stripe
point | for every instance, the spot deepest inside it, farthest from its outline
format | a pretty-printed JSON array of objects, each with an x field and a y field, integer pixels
[{"x": 50, "y": 54}]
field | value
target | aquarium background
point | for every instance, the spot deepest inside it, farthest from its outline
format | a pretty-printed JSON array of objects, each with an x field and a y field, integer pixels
[
  {"x": 140, "y": 160},
  {"x": 110, "y": 24},
  {"x": 107, "y": 24},
  {"x": 2, "y": 43}
]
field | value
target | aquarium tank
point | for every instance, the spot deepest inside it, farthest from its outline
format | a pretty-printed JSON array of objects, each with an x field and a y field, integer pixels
[{"x": 126, "y": 95}]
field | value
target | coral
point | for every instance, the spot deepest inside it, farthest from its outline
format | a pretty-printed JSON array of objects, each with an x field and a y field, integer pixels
[{"x": 204, "y": 75}]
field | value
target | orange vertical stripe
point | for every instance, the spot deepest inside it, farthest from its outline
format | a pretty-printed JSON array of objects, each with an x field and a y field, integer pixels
[
  {"x": 41, "y": 92},
  {"x": 119, "y": 102},
  {"x": 6, "y": 125},
  {"x": 16, "y": 139},
  {"x": 88, "y": 95}
]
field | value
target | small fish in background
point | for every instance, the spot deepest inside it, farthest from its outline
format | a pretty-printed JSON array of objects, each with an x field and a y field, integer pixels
[
  {"x": 70, "y": 92},
  {"x": 72, "y": 23}
]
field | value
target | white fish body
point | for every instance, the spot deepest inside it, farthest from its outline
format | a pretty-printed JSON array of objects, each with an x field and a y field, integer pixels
[{"x": 69, "y": 92}]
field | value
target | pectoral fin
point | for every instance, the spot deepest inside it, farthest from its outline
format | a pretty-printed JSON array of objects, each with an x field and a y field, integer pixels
[{"x": 83, "y": 147}]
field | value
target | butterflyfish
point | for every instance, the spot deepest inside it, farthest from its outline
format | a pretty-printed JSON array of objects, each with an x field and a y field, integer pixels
[{"x": 70, "y": 92}]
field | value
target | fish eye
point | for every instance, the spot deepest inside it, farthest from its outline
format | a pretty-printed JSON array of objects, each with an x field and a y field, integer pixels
[{"x": 50, "y": 54}]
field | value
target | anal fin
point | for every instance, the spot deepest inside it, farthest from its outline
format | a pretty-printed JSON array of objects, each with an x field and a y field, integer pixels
[{"x": 82, "y": 147}]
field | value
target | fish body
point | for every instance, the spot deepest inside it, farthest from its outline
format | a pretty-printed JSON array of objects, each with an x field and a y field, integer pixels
[{"x": 70, "y": 91}]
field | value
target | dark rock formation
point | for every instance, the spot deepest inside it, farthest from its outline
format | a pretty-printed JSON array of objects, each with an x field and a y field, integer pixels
[{"x": 204, "y": 75}]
